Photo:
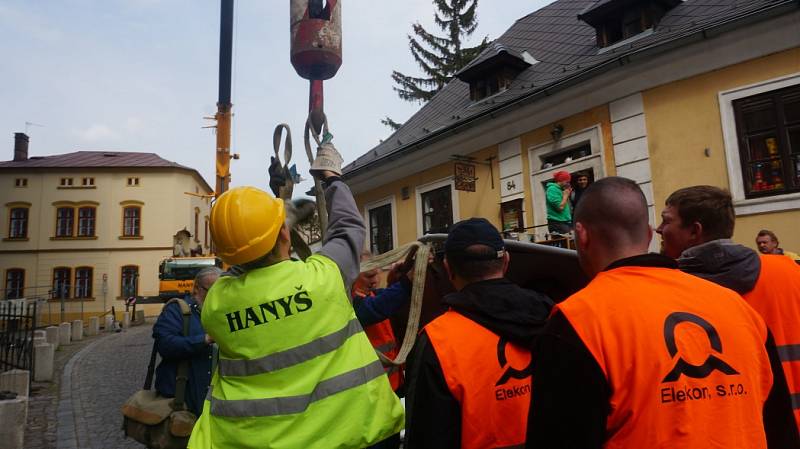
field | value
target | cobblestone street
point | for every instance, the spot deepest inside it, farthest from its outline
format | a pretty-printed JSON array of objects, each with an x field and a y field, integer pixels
[
  {"x": 81, "y": 409},
  {"x": 104, "y": 375}
]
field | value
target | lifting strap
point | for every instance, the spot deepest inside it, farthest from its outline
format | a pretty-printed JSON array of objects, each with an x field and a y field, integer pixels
[{"x": 417, "y": 291}]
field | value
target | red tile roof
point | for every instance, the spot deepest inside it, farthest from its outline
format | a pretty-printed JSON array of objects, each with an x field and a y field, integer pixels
[
  {"x": 100, "y": 159},
  {"x": 84, "y": 159}
]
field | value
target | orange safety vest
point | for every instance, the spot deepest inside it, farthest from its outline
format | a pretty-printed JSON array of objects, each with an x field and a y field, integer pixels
[
  {"x": 776, "y": 297},
  {"x": 684, "y": 358},
  {"x": 494, "y": 396},
  {"x": 383, "y": 340}
]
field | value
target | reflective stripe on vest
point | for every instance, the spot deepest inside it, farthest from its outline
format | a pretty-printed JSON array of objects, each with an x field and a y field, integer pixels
[
  {"x": 789, "y": 353},
  {"x": 294, "y": 404},
  {"x": 293, "y": 362},
  {"x": 776, "y": 297},
  {"x": 681, "y": 356},
  {"x": 488, "y": 376},
  {"x": 289, "y": 357}
]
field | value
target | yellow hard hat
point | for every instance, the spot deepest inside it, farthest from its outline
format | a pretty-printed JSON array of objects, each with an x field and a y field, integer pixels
[{"x": 245, "y": 223}]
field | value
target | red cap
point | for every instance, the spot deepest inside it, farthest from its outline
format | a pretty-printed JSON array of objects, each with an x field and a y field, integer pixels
[{"x": 562, "y": 176}]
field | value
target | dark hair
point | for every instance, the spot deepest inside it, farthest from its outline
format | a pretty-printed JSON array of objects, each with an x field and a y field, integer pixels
[
  {"x": 470, "y": 269},
  {"x": 710, "y": 206},
  {"x": 615, "y": 208},
  {"x": 771, "y": 235}
]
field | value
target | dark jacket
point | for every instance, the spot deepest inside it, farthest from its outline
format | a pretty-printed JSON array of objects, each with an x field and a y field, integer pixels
[
  {"x": 724, "y": 263},
  {"x": 384, "y": 304},
  {"x": 570, "y": 399},
  {"x": 433, "y": 415},
  {"x": 174, "y": 347}
]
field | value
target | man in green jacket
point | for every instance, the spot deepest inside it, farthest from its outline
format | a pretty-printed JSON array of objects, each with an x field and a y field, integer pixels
[{"x": 559, "y": 215}]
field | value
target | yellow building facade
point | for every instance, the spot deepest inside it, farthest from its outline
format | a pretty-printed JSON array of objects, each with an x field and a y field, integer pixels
[
  {"x": 721, "y": 107},
  {"x": 85, "y": 230}
]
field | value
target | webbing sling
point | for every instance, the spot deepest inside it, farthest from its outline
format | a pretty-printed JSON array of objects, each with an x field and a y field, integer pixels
[{"x": 417, "y": 292}]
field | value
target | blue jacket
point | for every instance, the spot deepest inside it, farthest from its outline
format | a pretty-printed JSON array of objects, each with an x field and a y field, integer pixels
[
  {"x": 386, "y": 302},
  {"x": 173, "y": 347}
]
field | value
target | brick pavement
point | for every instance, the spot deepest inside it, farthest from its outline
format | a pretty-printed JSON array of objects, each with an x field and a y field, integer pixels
[
  {"x": 101, "y": 377},
  {"x": 40, "y": 432}
]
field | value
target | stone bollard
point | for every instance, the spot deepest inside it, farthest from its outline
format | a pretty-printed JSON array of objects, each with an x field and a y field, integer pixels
[
  {"x": 13, "y": 415},
  {"x": 108, "y": 325},
  {"x": 126, "y": 320},
  {"x": 43, "y": 358},
  {"x": 16, "y": 380},
  {"x": 139, "y": 317},
  {"x": 39, "y": 340},
  {"x": 52, "y": 335},
  {"x": 39, "y": 333},
  {"x": 64, "y": 333},
  {"x": 94, "y": 326},
  {"x": 77, "y": 330}
]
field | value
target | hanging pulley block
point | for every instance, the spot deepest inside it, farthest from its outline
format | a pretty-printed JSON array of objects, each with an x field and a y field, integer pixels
[{"x": 316, "y": 34}]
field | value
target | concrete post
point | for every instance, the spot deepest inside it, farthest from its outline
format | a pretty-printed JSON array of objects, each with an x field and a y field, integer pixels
[
  {"x": 108, "y": 325},
  {"x": 94, "y": 326},
  {"x": 77, "y": 330},
  {"x": 52, "y": 335},
  {"x": 39, "y": 333},
  {"x": 64, "y": 334},
  {"x": 13, "y": 415},
  {"x": 16, "y": 380},
  {"x": 140, "y": 317},
  {"x": 126, "y": 320},
  {"x": 39, "y": 340},
  {"x": 43, "y": 358}
]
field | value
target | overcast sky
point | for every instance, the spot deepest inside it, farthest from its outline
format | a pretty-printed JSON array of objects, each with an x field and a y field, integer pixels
[{"x": 140, "y": 75}]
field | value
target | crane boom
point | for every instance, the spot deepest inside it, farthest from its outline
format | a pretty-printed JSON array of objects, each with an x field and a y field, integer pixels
[{"x": 224, "y": 106}]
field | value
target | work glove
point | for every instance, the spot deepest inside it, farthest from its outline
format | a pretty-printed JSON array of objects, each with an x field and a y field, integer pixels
[
  {"x": 328, "y": 159},
  {"x": 298, "y": 211},
  {"x": 277, "y": 176}
]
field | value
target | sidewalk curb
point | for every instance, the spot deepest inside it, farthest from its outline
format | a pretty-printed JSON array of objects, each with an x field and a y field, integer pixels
[{"x": 66, "y": 436}]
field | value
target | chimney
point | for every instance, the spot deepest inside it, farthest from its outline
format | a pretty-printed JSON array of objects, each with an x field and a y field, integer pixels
[{"x": 21, "y": 146}]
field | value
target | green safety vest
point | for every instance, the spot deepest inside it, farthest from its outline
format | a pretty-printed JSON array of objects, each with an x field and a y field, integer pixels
[{"x": 295, "y": 367}]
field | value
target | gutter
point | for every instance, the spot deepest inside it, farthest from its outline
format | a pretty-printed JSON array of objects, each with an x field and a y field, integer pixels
[{"x": 639, "y": 54}]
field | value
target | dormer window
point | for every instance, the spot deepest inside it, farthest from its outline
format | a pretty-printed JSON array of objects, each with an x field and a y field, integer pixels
[
  {"x": 493, "y": 71},
  {"x": 491, "y": 84},
  {"x": 618, "y": 20}
]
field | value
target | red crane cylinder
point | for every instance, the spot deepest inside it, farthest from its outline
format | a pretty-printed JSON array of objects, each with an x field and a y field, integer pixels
[{"x": 316, "y": 34}]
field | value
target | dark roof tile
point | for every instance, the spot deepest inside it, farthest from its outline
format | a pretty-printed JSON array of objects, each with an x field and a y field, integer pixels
[{"x": 564, "y": 46}]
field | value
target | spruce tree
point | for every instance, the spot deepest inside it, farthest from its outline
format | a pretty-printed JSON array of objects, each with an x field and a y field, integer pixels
[{"x": 439, "y": 57}]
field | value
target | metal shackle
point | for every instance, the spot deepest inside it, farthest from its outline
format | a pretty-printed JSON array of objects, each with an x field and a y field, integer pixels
[{"x": 316, "y": 38}]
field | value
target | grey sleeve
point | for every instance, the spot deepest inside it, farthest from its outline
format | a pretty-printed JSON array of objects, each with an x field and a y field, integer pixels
[{"x": 345, "y": 236}]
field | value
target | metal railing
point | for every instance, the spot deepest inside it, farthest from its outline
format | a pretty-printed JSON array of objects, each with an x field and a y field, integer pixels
[
  {"x": 541, "y": 235},
  {"x": 17, "y": 323}
]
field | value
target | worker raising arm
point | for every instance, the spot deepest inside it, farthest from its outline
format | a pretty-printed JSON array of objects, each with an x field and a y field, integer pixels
[{"x": 295, "y": 368}]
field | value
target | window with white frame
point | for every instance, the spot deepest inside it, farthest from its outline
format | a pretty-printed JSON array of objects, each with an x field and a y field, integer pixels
[
  {"x": 577, "y": 153},
  {"x": 380, "y": 218},
  {"x": 761, "y": 133},
  {"x": 437, "y": 210},
  {"x": 380, "y": 229},
  {"x": 768, "y": 128},
  {"x": 436, "y": 206}
]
